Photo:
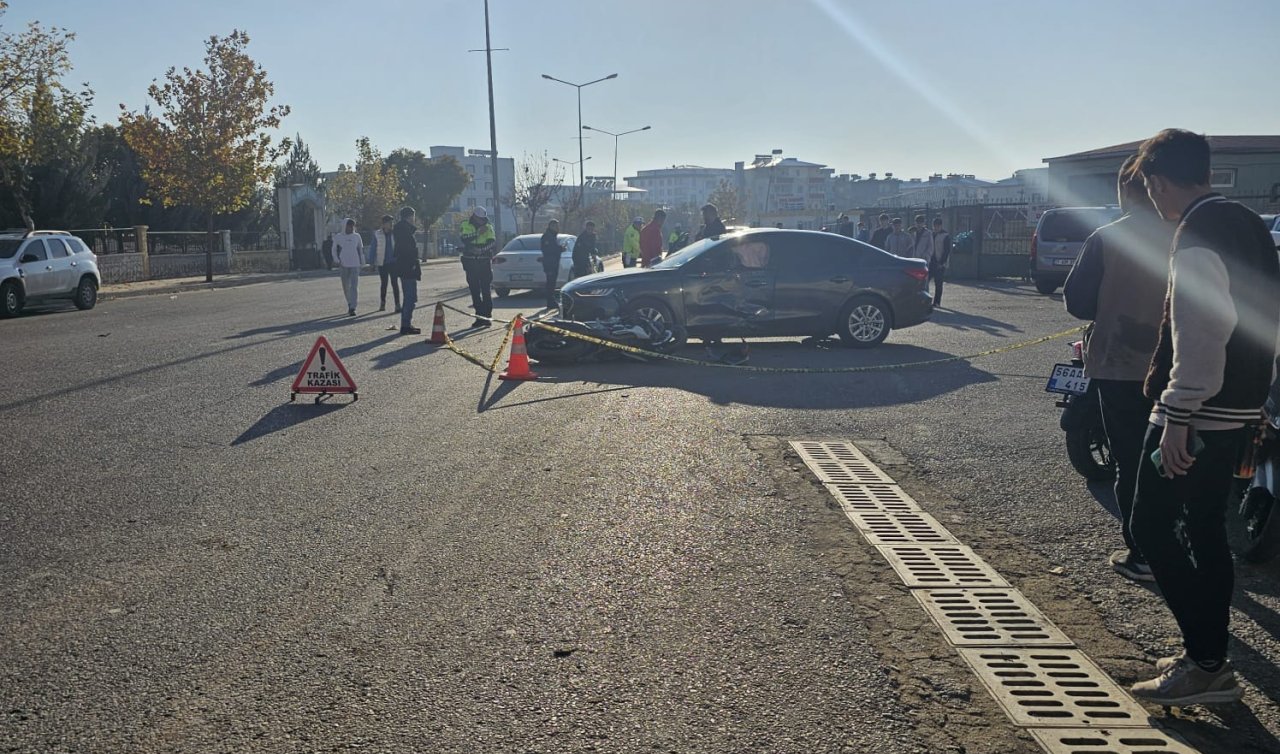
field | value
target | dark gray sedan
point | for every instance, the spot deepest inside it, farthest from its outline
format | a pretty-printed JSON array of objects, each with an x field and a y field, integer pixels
[{"x": 765, "y": 283}]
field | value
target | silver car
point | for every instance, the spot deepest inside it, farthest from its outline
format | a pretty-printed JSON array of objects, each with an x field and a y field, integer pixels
[
  {"x": 519, "y": 265},
  {"x": 1060, "y": 235},
  {"x": 46, "y": 265}
]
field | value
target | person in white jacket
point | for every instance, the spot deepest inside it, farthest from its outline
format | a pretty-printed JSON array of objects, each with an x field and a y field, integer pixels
[
  {"x": 381, "y": 254},
  {"x": 349, "y": 249},
  {"x": 922, "y": 239}
]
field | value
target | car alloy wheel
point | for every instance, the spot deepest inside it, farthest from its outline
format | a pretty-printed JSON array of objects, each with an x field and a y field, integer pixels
[
  {"x": 654, "y": 316},
  {"x": 12, "y": 300},
  {"x": 866, "y": 323},
  {"x": 86, "y": 294}
]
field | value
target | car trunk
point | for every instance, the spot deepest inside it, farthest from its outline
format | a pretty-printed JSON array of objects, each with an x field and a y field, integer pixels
[{"x": 519, "y": 267}]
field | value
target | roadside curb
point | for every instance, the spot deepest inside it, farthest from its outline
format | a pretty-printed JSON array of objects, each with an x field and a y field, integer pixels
[{"x": 106, "y": 294}]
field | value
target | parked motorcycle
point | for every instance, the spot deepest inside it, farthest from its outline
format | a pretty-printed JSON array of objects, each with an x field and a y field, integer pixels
[
  {"x": 550, "y": 347},
  {"x": 1087, "y": 446},
  {"x": 1259, "y": 473}
]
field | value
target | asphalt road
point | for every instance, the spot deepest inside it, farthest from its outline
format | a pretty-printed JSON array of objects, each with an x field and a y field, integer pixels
[{"x": 619, "y": 557}]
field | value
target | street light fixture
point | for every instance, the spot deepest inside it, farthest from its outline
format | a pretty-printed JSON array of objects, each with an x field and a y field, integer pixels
[
  {"x": 581, "y": 159},
  {"x": 615, "y": 147}
]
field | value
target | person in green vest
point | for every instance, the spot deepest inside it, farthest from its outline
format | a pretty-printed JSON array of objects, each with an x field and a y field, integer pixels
[
  {"x": 479, "y": 243},
  {"x": 631, "y": 243}
]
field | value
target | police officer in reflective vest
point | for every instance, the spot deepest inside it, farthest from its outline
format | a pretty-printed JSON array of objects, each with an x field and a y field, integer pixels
[{"x": 478, "y": 246}]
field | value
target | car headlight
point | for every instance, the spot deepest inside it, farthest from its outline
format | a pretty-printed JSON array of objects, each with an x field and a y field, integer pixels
[{"x": 595, "y": 292}]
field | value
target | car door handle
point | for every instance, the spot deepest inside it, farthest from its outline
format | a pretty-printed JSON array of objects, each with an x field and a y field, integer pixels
[
  {"x": 73, "y": 264},
  {"x": 758, "y": 284},
  {"x": 840, "y": 279}
]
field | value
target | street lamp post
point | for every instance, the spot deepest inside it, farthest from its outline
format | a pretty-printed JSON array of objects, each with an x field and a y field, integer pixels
[
  {"x": 615, "y": 147},
  {"x": 581, "y": 159}
]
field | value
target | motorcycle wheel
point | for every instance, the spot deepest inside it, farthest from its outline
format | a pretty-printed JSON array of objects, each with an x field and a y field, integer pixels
[
  {"x": 1262, "y": 525},
  {"x": 556, "y": 349},
  {"x": 1090, "y": 455}
]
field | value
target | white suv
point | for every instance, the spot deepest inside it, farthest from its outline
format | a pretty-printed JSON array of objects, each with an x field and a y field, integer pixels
[{"x": 46, "y": 265}]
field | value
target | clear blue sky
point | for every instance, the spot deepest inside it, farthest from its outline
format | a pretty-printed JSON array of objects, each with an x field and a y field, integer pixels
[{"x": 909, "y": 87}]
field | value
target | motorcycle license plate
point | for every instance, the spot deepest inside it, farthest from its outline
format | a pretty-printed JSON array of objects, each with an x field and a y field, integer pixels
[{"x": 1068, "y": 380}]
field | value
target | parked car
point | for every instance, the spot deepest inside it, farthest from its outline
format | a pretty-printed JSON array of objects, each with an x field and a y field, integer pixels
[
  {"x": 45, "y": 265},
  {"x": 519, "y": 265},
  {"x": 764, "y": 283},
  {"x": 1273, "y": 225},
  {"x": 1059, "y": 236}
]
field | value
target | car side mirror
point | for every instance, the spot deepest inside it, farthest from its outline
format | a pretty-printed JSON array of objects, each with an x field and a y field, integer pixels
[{"x": 29, "y": 258}]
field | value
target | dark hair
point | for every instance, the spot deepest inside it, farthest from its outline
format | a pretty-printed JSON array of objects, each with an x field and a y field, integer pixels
[
  {"x": 1176, "y": 154},
  {"x": 1131, "y": 187},
  {"x": 407, "y": 212},
  {"x": 388, "y": 218},
  {"x": 883, "y": 216},
  {"x": 937, "y": 221},
  {"x": 919, "y": 218},
  {"x": 590, "y": 224},
  {"x": 897, "y": 221},
  {"x": 660, "y": 214},
  {"x": 861, "y": 224}
]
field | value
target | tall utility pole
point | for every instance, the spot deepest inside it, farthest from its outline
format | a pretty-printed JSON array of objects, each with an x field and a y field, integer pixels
[
  {"x": 493, "y": 128},
  {"x": 581, "y": 159},
  {"x": 615, "y": 147}
]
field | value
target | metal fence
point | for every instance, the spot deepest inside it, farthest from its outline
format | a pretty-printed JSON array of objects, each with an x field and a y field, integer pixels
[
  {"x": 108, "y": 240},
  {"x": 268, "y": 240}
]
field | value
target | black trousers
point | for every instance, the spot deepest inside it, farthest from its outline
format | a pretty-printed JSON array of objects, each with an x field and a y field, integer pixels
[
  {"x": 936, "y": 273},
  {"x": 480, "y": 280},
  {"x": 389, "y": 276},
  {"x": 1180, "y": 526},
  {"x": 582, "y": 267},
  {"x": 1125, "y": 413},
  {"x": 553, "y": 274}
]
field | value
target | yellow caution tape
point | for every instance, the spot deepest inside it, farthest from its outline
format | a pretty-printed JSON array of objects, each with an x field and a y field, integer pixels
[{"x": 801, "y": 370}]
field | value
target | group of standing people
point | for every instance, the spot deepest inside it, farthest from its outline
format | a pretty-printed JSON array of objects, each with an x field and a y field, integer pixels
[
  {"x": 917, "y": 242},
  {"x": 1182, "y": 292},
  {"x": 394, "y": 253},
  {"x": 642, "y": 242}
]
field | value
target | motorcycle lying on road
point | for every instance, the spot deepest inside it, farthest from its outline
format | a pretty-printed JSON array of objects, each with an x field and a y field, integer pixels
[
  {"x": 549, "y": 347},
  {"x": 1258, "y": 474}
]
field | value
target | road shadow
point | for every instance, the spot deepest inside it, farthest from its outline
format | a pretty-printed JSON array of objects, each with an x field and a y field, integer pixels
[
  {"x": 311, "y": 325},
  {"x": 903, "y": 380},
  {"x": 1003, "y": 287},
  {"x": 285, "y": 416},
  {"x": 415, "y": 346},
  {"x": 956, "y": 320},
  {"x": 286, "y": 372}
]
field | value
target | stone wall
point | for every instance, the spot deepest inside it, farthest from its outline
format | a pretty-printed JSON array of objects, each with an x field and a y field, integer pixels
[
  {"x": 127, "y": 268},
  {"x": 120, "y": 268}
]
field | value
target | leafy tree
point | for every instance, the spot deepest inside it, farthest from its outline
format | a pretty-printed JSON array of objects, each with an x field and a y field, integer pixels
[
  {"x": 728, "y": 201},
  {"x": 429, "y": 184},
  {"x": 209, "y": 148},
  {"x": 366, "y": 192},
  {"x": 298, "y": 167},
  {"x": 41, "y": 122},
  {"x": 538, "y": 181}
]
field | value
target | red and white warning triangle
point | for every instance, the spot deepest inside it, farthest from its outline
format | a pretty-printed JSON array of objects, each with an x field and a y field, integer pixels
[{"x": 323, "y": 372}]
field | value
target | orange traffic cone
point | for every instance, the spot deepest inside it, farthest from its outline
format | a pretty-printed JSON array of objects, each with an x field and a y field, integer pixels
[
  {"x": 437, "y": 327},
  {"x": 518, "y": 365}
]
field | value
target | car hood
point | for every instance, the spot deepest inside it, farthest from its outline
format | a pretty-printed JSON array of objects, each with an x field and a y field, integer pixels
[{"x": 612, "y": 277}]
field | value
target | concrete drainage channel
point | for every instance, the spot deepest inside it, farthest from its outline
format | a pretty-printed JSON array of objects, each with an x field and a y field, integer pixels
[{"x": 1032, "y": 669}]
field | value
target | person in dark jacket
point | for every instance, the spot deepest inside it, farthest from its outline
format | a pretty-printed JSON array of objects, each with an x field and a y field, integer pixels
[
  {"x": 880, "y": 237},
  {"x": 405, "y": 266},
  {"x": 551, "y": 253},
  {"x": 844, "y": 226},
  {"x": 1118, "y": 283},
  {"x": 1210, "y": 375},
  {"x": 712, "y": 225},
  {"x": 584, "y": 250}
]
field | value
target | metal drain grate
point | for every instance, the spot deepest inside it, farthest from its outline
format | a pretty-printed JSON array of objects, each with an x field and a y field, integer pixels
[
  {"x": 1110, "y": 741},
  {"x": 1054, "y": 687},
  {"x": 872, "y": 497},
  {"x": 989, "y": 617},
  {"x": 940, "y": 566},
  {"x": 836, "y": 462},
  {"x": 900, "y": 527}
]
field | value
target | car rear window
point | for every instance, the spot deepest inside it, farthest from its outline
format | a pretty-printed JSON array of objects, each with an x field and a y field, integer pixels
[
  {"x": 1072, "y": 226},
  {"x": 524, "y": 243}
]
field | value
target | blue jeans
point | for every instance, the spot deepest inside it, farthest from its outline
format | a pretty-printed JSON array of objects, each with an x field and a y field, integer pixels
[{"x": 409, "y": 291}]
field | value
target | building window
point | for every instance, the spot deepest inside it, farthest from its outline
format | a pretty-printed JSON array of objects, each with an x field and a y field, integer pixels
[
  {"x": 488, "y": 169},
  {"x": 488, "y": 185},
  {"x": 1223, "y": 178},
  {"x": 471, "y": 202}
]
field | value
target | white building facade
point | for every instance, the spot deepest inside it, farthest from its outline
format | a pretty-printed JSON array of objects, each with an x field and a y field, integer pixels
[
  {"x": 778, "y": 189},
  {"x": 479, "y": 193},
  {"x": 678, "y": 185}
]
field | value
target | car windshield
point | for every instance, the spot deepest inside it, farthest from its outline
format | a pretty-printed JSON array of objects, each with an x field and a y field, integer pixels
[
  {"x": 686, "y": 255},
  {"x": 9, "y": 247},
  {"x": 1073, "y": 226}
]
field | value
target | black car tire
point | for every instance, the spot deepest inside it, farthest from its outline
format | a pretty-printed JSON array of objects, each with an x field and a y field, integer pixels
[
  {"x": 501, "y": 292},
  {"x": 11, "y": 299},
  {"x": 1090, "y": 455},
  {"x": 86, "y": 293},
  {"x": 655, "y": 311},
  {"x": 1047, "y": 286},
  {"x": 872, "y": 325}
]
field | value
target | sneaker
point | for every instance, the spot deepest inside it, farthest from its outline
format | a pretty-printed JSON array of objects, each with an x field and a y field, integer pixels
[
  {"x": 411, "y": 331},
  {"x": 1184, "y": 683},
  {"x": 480, "y": 323},
  {"x": 351, "y": 312},
  {"x": 1125, "y": 564},
  {"x": 1164, "y": 663},
  {"x": 397, "y": 311},
  {"x": 382, "y": 307}
]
